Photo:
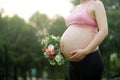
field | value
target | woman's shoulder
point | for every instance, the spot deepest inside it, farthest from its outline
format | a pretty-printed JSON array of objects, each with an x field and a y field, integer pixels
[{"x": 97, "y": 4}]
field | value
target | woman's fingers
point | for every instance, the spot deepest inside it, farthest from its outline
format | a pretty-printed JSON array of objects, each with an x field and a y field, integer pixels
[
  {"x": 73, "y": 56},
  {"x": 73, "y": 52}
]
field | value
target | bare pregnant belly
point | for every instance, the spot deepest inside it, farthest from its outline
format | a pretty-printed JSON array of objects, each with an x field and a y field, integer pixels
[{"x": 76, "y": 38}]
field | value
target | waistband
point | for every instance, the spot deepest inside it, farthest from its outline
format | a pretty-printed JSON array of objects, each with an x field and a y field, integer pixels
[{"x": 83, "y": 26}]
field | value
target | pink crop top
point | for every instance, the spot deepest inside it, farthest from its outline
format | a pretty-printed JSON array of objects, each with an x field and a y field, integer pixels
[{"x": 81, "y": 18}]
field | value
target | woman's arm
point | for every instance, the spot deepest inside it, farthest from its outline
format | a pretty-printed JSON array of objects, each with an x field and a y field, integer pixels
[{"x": 100, "y": 15}]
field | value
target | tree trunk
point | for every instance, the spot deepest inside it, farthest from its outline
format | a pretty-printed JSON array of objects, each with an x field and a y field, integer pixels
[
  {"x": 6, "y": 63},
  {"x": 108, "y": 66},
  {"x": 24, "y": 70},
  {"x": 15, "y": 72}
]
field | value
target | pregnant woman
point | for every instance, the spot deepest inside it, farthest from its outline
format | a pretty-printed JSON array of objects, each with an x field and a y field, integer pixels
[{"x": 87, "y": 28}]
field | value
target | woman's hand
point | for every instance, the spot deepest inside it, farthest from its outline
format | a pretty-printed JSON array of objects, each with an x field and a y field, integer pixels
[{"x": 78, "y": 55}]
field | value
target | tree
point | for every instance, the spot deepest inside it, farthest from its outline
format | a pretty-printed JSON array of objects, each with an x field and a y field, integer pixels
[
  {"x": 19, "y": 45},
  {"x": 109, "y": 4},
  {"x": 57, "y": 26},
  {"x": 40, "y": 22}
]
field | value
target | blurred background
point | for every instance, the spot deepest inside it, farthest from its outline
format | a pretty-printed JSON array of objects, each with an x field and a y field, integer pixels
[{"x": 24, "y": 23}]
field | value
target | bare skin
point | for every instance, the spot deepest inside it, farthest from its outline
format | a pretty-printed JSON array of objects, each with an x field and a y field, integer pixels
[{"x": 77, "y": 42}]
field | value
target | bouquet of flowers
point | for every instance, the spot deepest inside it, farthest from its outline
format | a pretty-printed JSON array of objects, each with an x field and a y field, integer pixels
[{"x": 51, "y": 49}]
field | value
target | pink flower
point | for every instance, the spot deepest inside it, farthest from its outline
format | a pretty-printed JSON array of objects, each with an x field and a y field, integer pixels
[
  {"x": 51, "y": 55},
  {"x": 53, "y": 52},
  {"x": 47, "y": 51}
]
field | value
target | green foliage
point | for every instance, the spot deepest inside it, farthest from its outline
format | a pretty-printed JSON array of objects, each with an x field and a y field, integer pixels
[
  {"x": 111, "y": 43},
  {"x": 19, "y": 45},
  {"x": 109, "y": 4},
  {"x": 51, "y": 39},
  {"x": 115, "y": 67},
  {"x": 39, "y": 21},
  {"x": 75, "y": 2},
  {"x": 57, "y": 26}
]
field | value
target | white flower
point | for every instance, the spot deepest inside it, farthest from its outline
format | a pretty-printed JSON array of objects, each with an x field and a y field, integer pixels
[
  {"x": 58, "y": 58},
  {"x": 45, "y": 54},
  {"x": 53, "y": 37},
  {"x": 52, "y": 62},
  {"x": 51, "y": 47}
]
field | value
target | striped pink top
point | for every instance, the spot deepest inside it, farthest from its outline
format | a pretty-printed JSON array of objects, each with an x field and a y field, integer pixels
[{"x": 81, "y": 18}]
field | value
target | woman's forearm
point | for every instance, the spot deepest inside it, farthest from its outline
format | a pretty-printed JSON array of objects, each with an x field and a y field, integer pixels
[{"x": 100, "y": 36}]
